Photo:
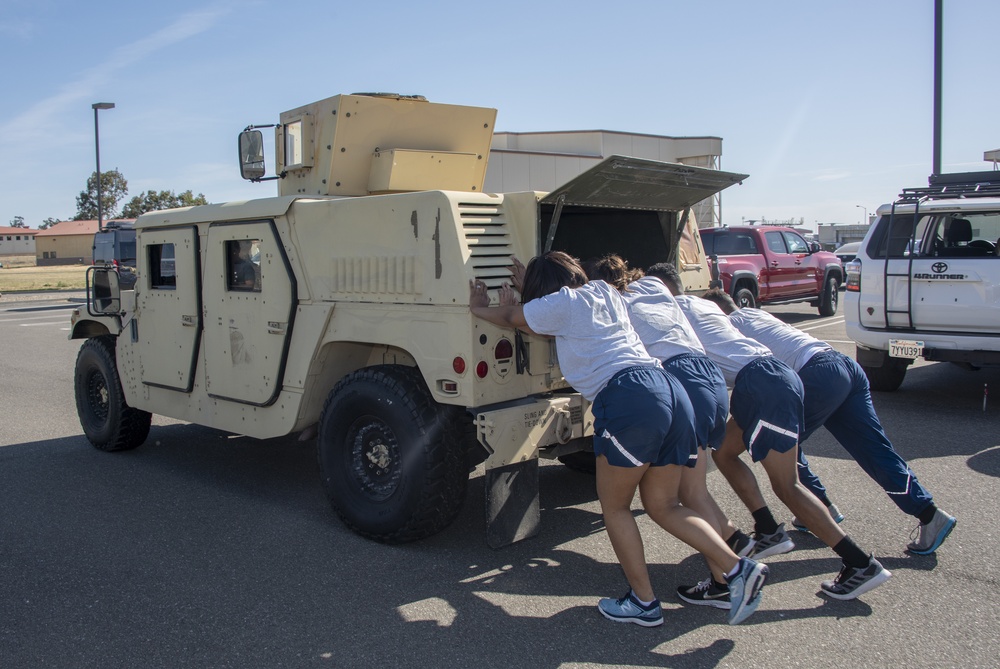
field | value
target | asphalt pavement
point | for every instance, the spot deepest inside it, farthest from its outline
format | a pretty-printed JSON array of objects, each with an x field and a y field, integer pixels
[{"x": 205, "y": 549}]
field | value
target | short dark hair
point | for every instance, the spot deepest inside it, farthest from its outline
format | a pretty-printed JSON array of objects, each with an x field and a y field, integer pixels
[
  {"x": 721, "y": 298},
  {"x": 612, "y": 269},
  {"x": 547, "y": 273},
  {"x": 667, "y": 273}
]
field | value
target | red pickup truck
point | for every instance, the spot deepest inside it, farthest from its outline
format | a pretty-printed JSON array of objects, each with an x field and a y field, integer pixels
[{"x": 761, "y": 265}]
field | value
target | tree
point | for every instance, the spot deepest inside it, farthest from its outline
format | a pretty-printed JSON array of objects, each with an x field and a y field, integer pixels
[
  {"x": 113, "y": 189},
  {"x": 165, "y": 199},
  {"x": 17, "y": 222},
  {"x": 48, "y": 223}
]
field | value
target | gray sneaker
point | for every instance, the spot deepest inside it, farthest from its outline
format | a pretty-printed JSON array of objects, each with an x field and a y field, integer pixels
[
  {"x": 932, "y": 535},
  {"x": 745, "y": 589},
  {"x": 852, "y": 582},
  {"x": 772, "y": 544}
]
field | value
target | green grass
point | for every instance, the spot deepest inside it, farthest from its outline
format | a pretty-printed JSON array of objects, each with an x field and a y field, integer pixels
[{"x": 58, "y": 277}]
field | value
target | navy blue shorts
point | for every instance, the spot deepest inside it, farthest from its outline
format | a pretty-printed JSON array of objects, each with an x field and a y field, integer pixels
[
  {"x": 706, "y": 388},
  {"x": 767, "y": 405},
  {"x": 644, "y": 416}
]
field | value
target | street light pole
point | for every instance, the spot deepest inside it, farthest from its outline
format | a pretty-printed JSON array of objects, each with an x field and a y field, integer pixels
[
  {"x": 97, "y": 145},
  {"x": 864, "y": 209}
]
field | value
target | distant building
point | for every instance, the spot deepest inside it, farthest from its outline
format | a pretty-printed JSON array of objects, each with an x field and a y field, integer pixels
[
  {"x": 66, "y": 243},
  {"x": 542, "y": 161},
  {"x": 17, "y": 246},
  {"x": 833, "y": 235}
]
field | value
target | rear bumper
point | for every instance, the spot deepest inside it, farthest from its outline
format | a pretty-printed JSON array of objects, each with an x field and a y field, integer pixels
[{"x": 515, "y": 432}]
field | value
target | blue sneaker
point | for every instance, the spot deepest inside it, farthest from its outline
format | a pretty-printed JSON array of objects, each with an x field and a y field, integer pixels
[
  {"x": 629, "y": 610},
  {"x": 835, "y": 513},
  {"x": 744, "y": 589},
  {"x": 932, "y": 535}
]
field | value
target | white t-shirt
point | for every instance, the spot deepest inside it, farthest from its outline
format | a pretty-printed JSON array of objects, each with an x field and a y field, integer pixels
[
  {"x": 659, "y": 322},
  {"x": 726, "y": 346},
  {"x": 788, "y": 344},
  {"x": 594, "y": 338}
]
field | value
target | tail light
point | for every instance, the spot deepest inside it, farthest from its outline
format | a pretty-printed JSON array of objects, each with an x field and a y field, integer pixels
[
  {"x": 853, "y": 272},
  {"x": 504, "y": 350}
]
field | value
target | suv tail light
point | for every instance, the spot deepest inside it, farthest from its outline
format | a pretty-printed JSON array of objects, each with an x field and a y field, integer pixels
[{"x": 853, "y": 272}]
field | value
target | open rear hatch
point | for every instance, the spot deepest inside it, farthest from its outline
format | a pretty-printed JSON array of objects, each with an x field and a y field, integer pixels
[{"x": 627, "y": 206}]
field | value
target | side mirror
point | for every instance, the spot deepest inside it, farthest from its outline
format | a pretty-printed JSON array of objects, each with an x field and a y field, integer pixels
[
  {"x": 252, "y": 155},
  {"x": 814, "y": 247},
  {"x": 103, "y": 291}
]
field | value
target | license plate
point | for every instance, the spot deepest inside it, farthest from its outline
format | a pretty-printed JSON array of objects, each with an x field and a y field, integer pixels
[{"x": 905, "y": 348}]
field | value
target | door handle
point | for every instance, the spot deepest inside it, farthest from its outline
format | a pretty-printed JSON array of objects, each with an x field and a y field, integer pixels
[{"x": 274, "y": 327}]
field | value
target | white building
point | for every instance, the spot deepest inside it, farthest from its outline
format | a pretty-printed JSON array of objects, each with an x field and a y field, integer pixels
[
  {"x": 542, "y": 161},
  {"x": 17, "y": 246}
]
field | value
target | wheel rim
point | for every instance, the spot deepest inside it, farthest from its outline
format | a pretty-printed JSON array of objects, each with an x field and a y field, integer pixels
[
  {"x": 98, "y": 395},
  {"x": 745, "y": 301},
  {"x": 833, "y": 295},
  {"x": 374, "y": 458}
]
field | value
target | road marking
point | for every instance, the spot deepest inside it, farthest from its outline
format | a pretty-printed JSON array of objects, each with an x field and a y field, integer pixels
[
  {"x": 31, "y": 325},
  {"x": 21, "y": 319},
  {"x": 816, "y": 326}
]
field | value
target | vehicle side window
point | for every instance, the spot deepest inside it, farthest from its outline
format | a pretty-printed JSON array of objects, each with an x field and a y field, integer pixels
[
  {"x": 775, "y": 242},
  {"x": 795, "y": 243},
  {"x": 162, "y": 270},
  {"x": 243, "y": 265},
  {"x": 895, "y": 237}
]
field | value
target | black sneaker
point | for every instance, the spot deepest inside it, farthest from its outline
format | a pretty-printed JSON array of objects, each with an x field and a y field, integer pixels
[
  {"x": 741, "y": 544},
  {"x": 705, "y": 593},
  {"x": 772, "y": 544},
  {"x": 854, "y": 581}
]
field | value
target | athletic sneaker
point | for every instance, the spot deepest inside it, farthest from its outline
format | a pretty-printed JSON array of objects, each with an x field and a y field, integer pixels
[
  {"x": 932, "y": 535},
  {"x": 745, "y": 589},
  {"x": 629, "y": 610},
  {"x": 854, "y": 581},
  {"x": 705, "y": 593},
  {"x": 835, "y": 513},
  {"x": 743, "y": 545},
  {"x": 772, "y": 544}
]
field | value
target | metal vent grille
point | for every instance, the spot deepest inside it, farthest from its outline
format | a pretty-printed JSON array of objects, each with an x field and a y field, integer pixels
[{"x": 488, "y": 239}]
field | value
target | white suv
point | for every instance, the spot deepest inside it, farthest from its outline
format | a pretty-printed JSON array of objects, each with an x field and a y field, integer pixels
[{"x": 926, "y": 280}]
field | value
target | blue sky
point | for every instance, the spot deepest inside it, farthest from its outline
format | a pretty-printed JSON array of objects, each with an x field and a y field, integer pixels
[{"x": 826, "y": 106}]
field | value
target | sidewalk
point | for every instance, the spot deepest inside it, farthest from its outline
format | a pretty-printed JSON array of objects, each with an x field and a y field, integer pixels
[{"x": 44, "y": 296}]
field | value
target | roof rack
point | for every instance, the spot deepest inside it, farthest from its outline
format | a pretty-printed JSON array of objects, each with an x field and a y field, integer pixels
[{"x": 955, "y": 185}]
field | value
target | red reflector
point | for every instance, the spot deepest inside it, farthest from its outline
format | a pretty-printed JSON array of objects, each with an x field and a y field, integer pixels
[
  {"x": 458, "y": 364},
  {"x": 504, "y": 350},
  {"x": 482, "y": 369}
]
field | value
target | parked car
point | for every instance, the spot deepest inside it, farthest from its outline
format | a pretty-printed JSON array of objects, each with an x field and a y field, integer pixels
[
  {"x": 761, "y": 265},
  {"x": 926, "y": 279},
  {"x": 115, "y": 245},
  {"x": 847, "y": 252}
]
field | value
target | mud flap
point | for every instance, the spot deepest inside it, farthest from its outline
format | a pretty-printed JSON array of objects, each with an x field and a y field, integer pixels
[{"x": 512, "y": 509}]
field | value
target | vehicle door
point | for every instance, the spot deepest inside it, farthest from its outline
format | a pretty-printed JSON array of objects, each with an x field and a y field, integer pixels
[
  {"x": 783, "y": 268},
  {"x": 250, "y": 299},
  {"x": 803, "y": 270},
  {"x": 956, "y": 283},
  {"x": 169, "y": 307}
]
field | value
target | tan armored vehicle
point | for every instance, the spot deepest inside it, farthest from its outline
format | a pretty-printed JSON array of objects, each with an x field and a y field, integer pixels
[{"x": 342, "y": 303}]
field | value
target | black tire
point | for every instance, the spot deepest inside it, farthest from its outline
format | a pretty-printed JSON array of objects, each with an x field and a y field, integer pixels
[
  {"x": 108, "y": 421},
  {"x": 393, "y": 462},
  {"x": 830, "y": 298},
  {"x": 584, "y": 462},
  {"x": 888, "y": 377},
  {"x": 744, "y": 297}
]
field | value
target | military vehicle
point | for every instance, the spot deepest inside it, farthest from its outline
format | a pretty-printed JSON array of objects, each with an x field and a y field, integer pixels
[{"x": 341, "y": 306}]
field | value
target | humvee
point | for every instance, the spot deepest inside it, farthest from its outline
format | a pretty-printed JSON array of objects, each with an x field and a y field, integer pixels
[{"x": 342, "y": 306}]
